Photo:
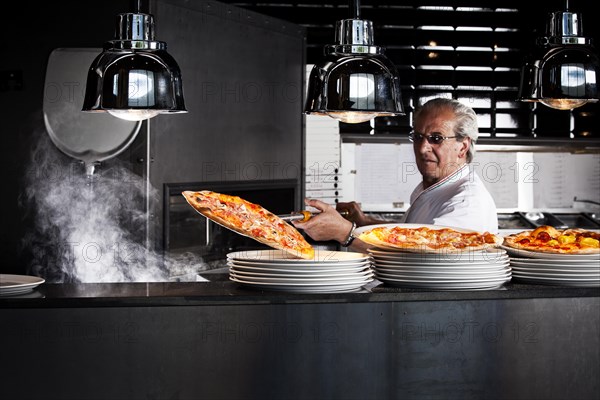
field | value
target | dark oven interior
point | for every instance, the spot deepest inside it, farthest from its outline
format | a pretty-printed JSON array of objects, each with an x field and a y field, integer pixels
[{"x": 188, "y": 231}]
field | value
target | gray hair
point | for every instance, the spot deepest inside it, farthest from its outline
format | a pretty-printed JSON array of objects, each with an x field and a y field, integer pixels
[{"x": 466, "y": 119}]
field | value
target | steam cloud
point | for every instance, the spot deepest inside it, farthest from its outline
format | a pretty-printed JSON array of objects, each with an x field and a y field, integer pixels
[{"x": 91, "y": 230}]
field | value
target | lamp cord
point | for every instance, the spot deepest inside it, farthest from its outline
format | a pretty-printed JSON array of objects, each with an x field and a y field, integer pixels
[
  {"x": 355, "y": 8},
  {"x": 135, "y": 6}
]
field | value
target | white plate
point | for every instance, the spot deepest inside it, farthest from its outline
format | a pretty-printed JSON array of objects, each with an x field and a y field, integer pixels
[
  {"x": 482, "y": 265},
  {"x": 300, "y": 266},
  {"x": 439, "y": 262},
  {"x": 434, "y": 267},
  {"x": 588, "y": 271},
  {"x": 325, "y": 288},
  {"x": 554, "y": 278},
  {"x": 31, "y": 294},
  {"x": 327, "y": 270},
  {"x": 560, "y": 282},
  {"x": 421, "y": 250},
  {"x": 558, "y": 275},
  {"x": 299, "y": 284},
  {"x": 451, "y": 272},
  {"x": 308, "y": 274},
  {"x": 296, "y": 278},
  {"x": 556, "y": 269},
  {"x": 550, "y": 256},
  {"x": 472, "y": 282},
  {"x": 482, "y": 284},
  {"x": 283, "y": 257},
  {"x": 311, "y": 284},
  {"x": 499, "y": 286},
  {"x": 306, "y": 282},
  {"x": 491, "y": 255},
  {"x": 17, "y": 284},
  {"x": 441, "y": 278},
  {"x": 535, "y": 263}
]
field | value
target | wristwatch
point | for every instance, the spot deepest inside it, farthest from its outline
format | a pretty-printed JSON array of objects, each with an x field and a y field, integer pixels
[{"x": 350, "y": 238}]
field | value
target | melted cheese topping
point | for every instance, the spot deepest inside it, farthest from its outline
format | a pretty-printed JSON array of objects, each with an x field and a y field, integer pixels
[
  {"x": 444, "y": 238},
  {"x": 548, "y": 238},
  {"x": 254, "y": 220}
]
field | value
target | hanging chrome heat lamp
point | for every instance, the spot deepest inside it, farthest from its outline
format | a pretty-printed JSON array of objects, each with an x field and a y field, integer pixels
[
  {"x": 355, "y": 82},
  {"x": 134, "y": 78},
  {"x": 564, "y": 70}
]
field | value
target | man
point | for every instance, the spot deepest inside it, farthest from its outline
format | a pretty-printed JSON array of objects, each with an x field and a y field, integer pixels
[{"x": 451, "y": 193}]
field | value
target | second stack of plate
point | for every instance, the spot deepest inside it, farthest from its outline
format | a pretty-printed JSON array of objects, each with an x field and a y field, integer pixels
[
  {"x": 578, "y": 270},
  {"x": 328, "y": 272},
  {"x": 442, "y": 271}
]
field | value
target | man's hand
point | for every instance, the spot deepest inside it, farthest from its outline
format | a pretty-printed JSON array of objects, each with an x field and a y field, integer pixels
[
  {"x": 328, "y": 225},
  {"x": 354, "y": 213}
]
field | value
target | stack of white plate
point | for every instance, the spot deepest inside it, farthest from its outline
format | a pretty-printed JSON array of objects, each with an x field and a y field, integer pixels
[
  {"x": 581, "y": 270},
  {"x": 473, "y": 270},
  {"x": 328, "y": 272}
]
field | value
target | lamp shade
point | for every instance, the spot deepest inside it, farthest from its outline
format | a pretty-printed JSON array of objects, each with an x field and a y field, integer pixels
[
  {"x": 355, "y": 82},
  {"x": 563, "y": 72},
  {"x": 530, "y": 82},
  {"x": 569, "y": 77},
  {"x": 134, "y": 78}
]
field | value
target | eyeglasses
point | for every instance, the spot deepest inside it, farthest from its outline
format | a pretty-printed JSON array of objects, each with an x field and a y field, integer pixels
[{"x": 435, "y": 138}]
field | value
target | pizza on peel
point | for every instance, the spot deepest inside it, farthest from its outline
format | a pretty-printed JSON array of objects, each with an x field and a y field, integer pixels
[
  {"x": 251, "y": 220},
  {"x": 547, "y": 239},
  {"x": 428, "y": 239}
]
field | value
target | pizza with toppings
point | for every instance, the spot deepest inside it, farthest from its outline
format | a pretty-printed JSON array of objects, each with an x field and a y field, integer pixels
[
  {"x": 427, "y": 239},
  {"x": 251, "y": 220},
  {"x": 547, "y": 239}
]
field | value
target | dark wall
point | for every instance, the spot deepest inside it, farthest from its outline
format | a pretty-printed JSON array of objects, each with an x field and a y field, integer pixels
[
  {"x": 389, "y": 16},
  {"x": 467, "y": 68},
  {"x": 30, "y": 34},
  {"x": 243, "y": 85},
  {"x": 213, "y": 43}
]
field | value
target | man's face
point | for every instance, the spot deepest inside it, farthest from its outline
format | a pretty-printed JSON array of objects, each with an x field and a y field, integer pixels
[{"x": 437, "y": 161}]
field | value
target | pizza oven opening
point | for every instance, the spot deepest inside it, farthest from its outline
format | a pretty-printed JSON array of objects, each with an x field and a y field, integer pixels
[{"x": 185, "y": 230}]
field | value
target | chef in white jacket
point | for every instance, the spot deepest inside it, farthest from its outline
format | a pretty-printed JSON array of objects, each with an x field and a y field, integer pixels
[{"x": 450, "y": 194}]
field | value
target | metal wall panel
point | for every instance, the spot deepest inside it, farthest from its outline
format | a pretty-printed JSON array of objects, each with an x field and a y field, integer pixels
[
  {"x": 478, "y": 349},
  {"x": 243, "y": 77}
]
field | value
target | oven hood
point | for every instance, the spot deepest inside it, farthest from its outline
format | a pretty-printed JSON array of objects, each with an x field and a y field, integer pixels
[{"x": 90, "y": 138}]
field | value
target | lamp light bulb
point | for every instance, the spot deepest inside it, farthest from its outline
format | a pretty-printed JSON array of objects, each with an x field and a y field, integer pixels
[
  {"x": 564, "y": 104},
  {"x": 352, "y": 117},
  {"x": 134, "y": 115}
]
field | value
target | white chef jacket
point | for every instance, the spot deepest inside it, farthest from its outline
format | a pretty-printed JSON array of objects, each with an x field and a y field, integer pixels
[{"x": 460, "y": 200}]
